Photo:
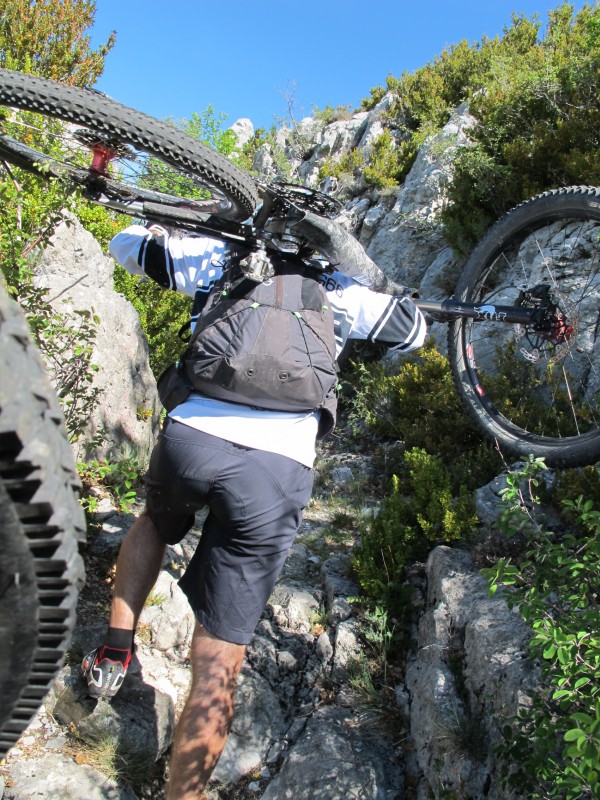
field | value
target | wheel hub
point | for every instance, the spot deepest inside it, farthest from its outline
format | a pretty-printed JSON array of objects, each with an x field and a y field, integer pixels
[
  {"x": 553, "y": 333},
  {"x": 104, "y": 150}
]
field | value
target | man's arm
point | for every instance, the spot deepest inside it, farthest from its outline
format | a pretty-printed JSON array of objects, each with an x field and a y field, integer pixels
[
  {"x": 184, "y": 265},
  {"x": 361, "y": 313}
]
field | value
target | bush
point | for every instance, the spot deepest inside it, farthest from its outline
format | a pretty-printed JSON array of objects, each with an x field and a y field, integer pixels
[
  {"x": 350, "y": 164},
  {"x": 330, "y": 114},
  {"x": 538, "y": 121},
  {"x": 421, "y": 512},
  {"x": 535, "y": 99},
  {"x": 551, "y": 750},
  {"x": 417, "y": 404}
]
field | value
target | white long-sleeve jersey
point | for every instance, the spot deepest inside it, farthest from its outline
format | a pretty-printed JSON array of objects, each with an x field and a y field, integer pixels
[{"x": 192, "y": 265}]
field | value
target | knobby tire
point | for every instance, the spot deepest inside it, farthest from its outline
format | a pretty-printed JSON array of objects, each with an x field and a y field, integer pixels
[
  {"x": 111, "y": 121},
  {"x": 535, "y": 393},
  {"x": 41, "y": 526}
]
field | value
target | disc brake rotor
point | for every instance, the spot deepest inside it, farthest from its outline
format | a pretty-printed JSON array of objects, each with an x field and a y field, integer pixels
[{"x": 552, "y": 337}]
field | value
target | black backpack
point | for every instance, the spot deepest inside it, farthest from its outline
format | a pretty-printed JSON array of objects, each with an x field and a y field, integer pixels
[{"x": 270, "y": 345}]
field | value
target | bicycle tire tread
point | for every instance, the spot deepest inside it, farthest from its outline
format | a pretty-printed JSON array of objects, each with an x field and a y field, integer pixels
[
  {"x": 90, "y": 108},
  {"x": 39, "y": 494}
]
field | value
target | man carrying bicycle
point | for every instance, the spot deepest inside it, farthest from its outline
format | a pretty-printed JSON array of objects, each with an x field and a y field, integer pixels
[{"x": 252, "y": 468}]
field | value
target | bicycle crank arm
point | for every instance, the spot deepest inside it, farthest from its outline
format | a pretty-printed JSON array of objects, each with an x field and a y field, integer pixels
[{"x": 453, "y": 309}]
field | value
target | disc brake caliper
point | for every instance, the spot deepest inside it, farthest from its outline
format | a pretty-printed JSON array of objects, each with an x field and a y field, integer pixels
[{"x": 549, "y": 335}]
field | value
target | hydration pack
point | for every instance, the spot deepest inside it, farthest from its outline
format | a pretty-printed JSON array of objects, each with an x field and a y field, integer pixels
[{"x": 270, "y": 345}]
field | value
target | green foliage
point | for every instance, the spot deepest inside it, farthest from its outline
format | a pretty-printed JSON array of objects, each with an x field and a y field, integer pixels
[
  {"x": 430, "y": 94},
  {"x": 534, "y": 94},
  {"x": 51, "y": 38},
  {"x": 378, "y": 634},
  {"x": 538, "y": 120},
  {"x": 421, "y": 512},
  {"x": 580, "y": 482},
  {"x": 162, "y": 314},
  {"x": 440, "y": 460},
  {"x": 349, "y": 164},
  {"x": 330, "y": 114},
  {"x": 384, "y": 168},
  {"x": 48, "y": 38},
  {"x": 65, "y": 340},
  {"x": 376, "y": 95},
  {"x": 416, "y": 403},
  {"x": 281, "y": 163},
  {"x": 551, "y": 750},
  {"x": 119, "y": 479}
]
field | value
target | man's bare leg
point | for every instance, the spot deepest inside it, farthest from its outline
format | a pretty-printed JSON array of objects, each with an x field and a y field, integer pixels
[
  {"x": 206, "y": 718},
  {"x": 138, "y": 566}
]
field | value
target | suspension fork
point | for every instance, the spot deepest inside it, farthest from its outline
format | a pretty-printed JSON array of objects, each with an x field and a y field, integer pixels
[{"x": 450, "y": 309}]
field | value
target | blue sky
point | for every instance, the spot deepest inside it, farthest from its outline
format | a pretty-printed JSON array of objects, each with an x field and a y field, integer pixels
[{"x": 245, "y": 57}]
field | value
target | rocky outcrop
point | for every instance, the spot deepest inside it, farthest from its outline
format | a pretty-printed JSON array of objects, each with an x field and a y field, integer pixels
[
  {"x": 79, "y": 276},
  {"x": 469, "y": 672},
  {"x": 400, "y": 228},
  {"x": 407, "y": 240}
]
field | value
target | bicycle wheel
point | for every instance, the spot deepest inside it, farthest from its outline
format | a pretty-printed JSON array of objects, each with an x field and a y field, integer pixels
[
  {"x": 120, "y": 156},
  {"x": 536, "y": 388},
  {"x": 41, "y": 525}
]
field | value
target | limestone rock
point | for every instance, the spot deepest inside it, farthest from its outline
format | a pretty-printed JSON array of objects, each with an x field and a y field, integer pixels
[
  {"x": 54, "y": 776},
  {"x": 331, "y": 762},
  {"x": 79, "y": 276},
  {"x": 470, "y": 671}
]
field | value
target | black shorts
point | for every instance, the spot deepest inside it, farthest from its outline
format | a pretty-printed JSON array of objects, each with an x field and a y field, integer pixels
[{"x": 255, "y": 501}]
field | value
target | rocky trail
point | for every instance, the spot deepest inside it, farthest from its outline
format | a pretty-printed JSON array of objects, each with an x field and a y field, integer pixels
[
  {"x": 314, "y": 716},
  {"x": 300, "y": 729}
]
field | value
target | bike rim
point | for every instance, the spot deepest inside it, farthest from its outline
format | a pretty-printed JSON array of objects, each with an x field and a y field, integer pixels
[
  {"x": 542, "y": 386},
  {"x": 109, "y": 172}
]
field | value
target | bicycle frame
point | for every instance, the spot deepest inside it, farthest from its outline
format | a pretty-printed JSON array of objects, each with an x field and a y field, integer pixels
[{"x": 195, "y": 217}]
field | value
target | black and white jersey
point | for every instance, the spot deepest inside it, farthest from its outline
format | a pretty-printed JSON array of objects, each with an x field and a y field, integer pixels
[{"x": 191, "y": 265}]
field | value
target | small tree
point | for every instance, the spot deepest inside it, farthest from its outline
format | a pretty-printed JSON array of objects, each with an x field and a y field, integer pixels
[{"x": 49, "y": 38}]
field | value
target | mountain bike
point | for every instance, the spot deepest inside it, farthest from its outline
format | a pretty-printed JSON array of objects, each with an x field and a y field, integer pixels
[{"x": 522, "y": 324}]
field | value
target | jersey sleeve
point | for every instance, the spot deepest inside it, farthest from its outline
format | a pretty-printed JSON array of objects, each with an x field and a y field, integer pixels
[
  {"x": 361, "y": 313},
  {"x": 187, "y": 265}
]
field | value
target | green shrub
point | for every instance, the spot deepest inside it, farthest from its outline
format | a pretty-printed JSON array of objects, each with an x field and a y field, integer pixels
[
  {"x": 162, "y": 314},
  {"x": 551, "y": 750},
  {"x": 534, "y": 95},
  {"x": 538, "y": 120},
  {"x": 421, "y": 512},
  {"x": 330, "y": 114},
  {"x": 570, "y": 484},
  {"x": 120, "y": 478},
  {"x": 349, "y": 164},
  {"x": 31, "y": 212},
  {"x": 417, "y": 404},
  {"x": 385, "y": 167}
]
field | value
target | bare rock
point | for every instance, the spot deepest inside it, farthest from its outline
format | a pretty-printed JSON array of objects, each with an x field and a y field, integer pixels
[
  {"x": 79, "y": 276},
  {"x": 55, "y": 776},
  {"x": 470, "y": 671}
]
